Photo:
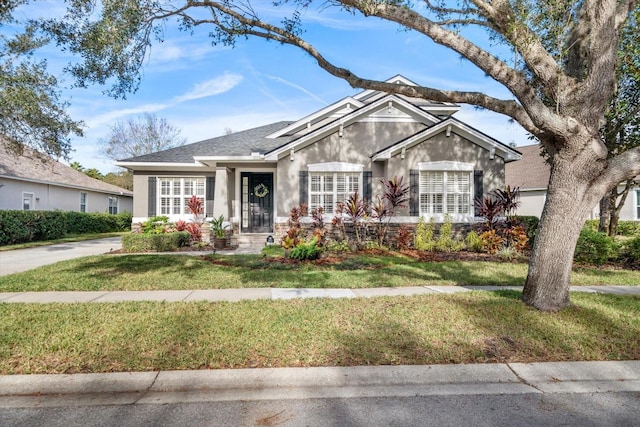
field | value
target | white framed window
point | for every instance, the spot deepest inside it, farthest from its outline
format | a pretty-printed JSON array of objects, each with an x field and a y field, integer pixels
[
  {"x": 83, "y": 202},
  {"x": 330, "y": 183},
  {"x": 27, "y": 201},
  {"x": 176, "y": 192},
  {"x": 113, "y": 205},
  {"x": 446, "y": 188}
]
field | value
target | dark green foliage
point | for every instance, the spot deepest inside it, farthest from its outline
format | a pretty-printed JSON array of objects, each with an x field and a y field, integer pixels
[
  {"x": 530, "y": 224},
  {"x": 167, "y": 242},
  {"x": 631, "y": 252},
  {"x": 625, "y": 228},
  {"x": 33, "y": 226},
  {"x": 594, "y": 247},
  {"x": 305, "y": 250}
]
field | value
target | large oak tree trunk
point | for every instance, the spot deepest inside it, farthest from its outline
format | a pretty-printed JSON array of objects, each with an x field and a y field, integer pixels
[{"x": 564, "y": 213}]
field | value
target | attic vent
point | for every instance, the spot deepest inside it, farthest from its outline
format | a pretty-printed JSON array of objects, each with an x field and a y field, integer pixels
[{"x": 255, "y": 154}]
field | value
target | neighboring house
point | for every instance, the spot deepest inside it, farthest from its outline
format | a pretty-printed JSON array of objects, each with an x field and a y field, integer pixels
[
  {"x": 254, "y": 177},
  {"x": 33, "y": 181},
  {"x": 531, "y": 174}
]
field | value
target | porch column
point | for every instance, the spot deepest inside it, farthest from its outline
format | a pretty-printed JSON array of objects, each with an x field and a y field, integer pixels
[{"x": 222, "y": 192}]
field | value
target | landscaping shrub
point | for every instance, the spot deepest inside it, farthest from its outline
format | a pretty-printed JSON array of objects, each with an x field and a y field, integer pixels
[
  {"x": 305, "y": 250},
  {"x": 474, "y": 242},
  {"x": 629, "y": 228},
  {"x": 594, "y": 247},
  {"x": 492, "y": 242},
  {"x": 530, "y": 224},
  {"x": 31, "y": 226},
  {"x": 631, "y": 252},
  {"x": 424, "y": 239},
  {"x": 404, "y": 237},
  {"x": 155, "y": 225},
  {"x": 625, "y": 228},
  {"x": 166, "y": 242},
  {"x": 445, "y": 241}
]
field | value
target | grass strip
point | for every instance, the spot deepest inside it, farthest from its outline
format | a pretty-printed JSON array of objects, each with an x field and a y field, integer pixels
[
  {"x": 162, "y": 272},
  {"x": 476, "y": 327}
]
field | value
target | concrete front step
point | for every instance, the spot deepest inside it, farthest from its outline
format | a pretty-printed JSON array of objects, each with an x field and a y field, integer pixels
[{"x": 251, "y": 240}]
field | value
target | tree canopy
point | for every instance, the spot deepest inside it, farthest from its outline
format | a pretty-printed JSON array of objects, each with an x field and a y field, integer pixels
[
  {"x": 31, "y": 111},
  {"x": 144, "y": 134},
  {"x": 562, "y": 80}
]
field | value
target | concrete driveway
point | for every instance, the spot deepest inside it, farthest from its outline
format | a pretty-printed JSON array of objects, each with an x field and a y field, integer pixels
[{"x": 27, "y": 259}]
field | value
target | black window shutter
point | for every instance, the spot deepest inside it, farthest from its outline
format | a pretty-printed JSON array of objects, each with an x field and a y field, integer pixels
[
  {"x": 478, "y": 187},
  {"x": 414, "y": 192},
  {"x": 210, "y": 191},
  {"x": 304, "y": 187},
  {"x": 153, "y": 188},
  {"x": 366, "y": 185}
]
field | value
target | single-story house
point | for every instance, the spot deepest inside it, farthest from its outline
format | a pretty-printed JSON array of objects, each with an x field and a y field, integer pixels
[
  {"x": 531, "y": 174},
  {"x": 33, "y": 181},
  {"x": 254, "y": 177}
]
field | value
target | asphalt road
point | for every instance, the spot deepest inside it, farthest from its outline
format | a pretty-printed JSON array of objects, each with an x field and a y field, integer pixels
[{"x": 557, "y": 409}]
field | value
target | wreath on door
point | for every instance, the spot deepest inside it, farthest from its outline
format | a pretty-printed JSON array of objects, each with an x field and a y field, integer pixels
[{"x": 260, "y": 190}]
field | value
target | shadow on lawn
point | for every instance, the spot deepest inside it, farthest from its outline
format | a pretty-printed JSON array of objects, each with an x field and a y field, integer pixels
[
  {"x": 498, "y": 328},
  {"x": 308, "y": 275}
]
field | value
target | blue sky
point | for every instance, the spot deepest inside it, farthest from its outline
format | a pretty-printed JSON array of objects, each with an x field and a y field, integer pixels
[{"x": 203, "y": 89}]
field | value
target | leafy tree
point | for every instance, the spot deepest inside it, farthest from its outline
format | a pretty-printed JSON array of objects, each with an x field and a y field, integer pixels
[
  {"x": 121, "y": 178},
  {"x": 31, "y": 112},
  {"x": 622, "y": 128},
  {"x": 562, "y": 81},
  {"x": 93, "y": 173},
  {"x": 144, "y": 134},
  {"x": 76, "y": 166}
]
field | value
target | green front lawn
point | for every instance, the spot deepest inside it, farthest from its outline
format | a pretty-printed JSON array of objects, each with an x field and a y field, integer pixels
[
  {"x": 474, "y": 327},
  {"x": 161, "y": 272}
]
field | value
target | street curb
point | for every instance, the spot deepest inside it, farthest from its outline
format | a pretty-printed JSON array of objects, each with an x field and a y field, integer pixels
[{"x": 321, "y": 382}]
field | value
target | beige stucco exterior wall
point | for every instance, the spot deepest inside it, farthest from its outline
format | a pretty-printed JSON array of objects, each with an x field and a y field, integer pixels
[
  {"x": 361, "y": 140},
  {"x": 48, "y": 197},
  {"x": 532, "y": 202},
  {"x": 452, "y": 148},
  {"x": 357, "y": 143}
]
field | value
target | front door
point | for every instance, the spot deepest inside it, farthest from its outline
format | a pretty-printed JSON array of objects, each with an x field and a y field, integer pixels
[{"x": 257, "y": 202}]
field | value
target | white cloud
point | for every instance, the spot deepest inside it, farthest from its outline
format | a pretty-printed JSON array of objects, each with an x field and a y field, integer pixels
[
  {"x": 212, "y": 87},
  {"x": 112, "y": 116},
  {"x": 300, "y": 88}
]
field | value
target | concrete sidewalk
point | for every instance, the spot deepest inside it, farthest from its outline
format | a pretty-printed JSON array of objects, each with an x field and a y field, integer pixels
[
  {"x": 267, "y": 293},
  {"x": 324, "y": 382},
  {"x": 26, "y": 259}
]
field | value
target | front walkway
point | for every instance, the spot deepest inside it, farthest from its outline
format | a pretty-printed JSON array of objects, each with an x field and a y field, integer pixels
[{"x": 268, "y": 293}]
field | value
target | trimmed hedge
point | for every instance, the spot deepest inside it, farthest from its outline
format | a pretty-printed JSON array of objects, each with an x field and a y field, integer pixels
[
  {"x": 33, "y": 226},
  {"x": 594, "y": 247},
  {"x": 167, "y": 242},
  {"x": 625, "y": 227}
]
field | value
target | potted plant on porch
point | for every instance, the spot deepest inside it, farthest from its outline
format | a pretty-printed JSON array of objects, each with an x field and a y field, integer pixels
[{"x": 220, "y": 236}]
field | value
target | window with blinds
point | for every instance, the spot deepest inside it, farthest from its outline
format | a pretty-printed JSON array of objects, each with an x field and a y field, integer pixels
[
  {"x": 445, "y": 192},
  {"x": 176, "y": 192},
  {"x": 328, "y": 188}
]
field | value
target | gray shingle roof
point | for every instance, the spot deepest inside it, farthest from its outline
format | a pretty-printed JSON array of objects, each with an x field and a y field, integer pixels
[
  {"x": 33, "y": 166},
  {"x": 529, "y": 172},
  {"x": 241, "y": 143}
]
